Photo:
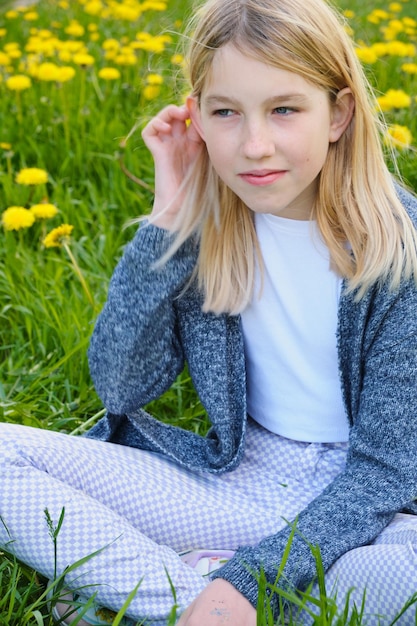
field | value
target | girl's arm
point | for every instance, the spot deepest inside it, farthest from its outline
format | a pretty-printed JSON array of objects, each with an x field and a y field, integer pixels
[{"x": 135, "y": 353}]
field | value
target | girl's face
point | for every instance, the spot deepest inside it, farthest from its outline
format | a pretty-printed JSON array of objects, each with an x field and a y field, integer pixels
[{"x": 267, "y": 132}]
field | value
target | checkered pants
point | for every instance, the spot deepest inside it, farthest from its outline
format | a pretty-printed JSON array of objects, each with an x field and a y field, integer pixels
[{"x": 143, "y": 509}]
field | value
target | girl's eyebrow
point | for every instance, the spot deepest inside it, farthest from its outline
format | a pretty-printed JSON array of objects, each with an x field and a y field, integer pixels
[{"x": 297, "y": 98}]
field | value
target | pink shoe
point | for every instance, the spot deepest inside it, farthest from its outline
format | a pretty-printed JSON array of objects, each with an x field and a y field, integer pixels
[{"x": 206, "y": 561}]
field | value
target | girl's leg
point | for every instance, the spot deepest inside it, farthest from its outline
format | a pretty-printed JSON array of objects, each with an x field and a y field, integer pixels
[
  {"x": 91, "y": 480},
  {"x": 143, "y": 509},
  {"x": 386, "y": 571}
]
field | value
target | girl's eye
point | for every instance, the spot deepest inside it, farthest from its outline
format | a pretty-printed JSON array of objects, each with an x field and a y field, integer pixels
[
  {"x": 283, "y": 110},
  {"x": 223, "y": 112}
]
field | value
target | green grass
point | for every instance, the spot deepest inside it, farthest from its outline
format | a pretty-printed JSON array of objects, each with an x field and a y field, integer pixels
[{"x": 75, "y": 131}]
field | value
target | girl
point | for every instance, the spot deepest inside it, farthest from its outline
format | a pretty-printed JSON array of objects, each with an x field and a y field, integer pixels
[{"x": 279, "y": 261}]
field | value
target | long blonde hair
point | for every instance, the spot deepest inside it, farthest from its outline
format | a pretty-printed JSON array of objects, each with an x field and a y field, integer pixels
[{"x": 356, "y": 201}]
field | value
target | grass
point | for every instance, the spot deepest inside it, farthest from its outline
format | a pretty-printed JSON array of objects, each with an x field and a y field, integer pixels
[{"x": 76, "y": 131}]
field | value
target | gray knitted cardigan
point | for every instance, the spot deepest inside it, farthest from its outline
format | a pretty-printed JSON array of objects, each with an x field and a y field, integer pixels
[{"x": 149, "y": 327}]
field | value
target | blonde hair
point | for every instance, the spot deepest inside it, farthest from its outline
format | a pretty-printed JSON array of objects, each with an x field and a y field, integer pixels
[{"x": 356, "y": 201}]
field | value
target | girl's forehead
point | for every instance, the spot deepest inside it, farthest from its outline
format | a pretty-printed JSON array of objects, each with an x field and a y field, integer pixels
[{"x": 232, "y": 66}]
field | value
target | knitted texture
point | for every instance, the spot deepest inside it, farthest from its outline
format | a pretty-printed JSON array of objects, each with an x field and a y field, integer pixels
[{"x": 150, "y": 326}]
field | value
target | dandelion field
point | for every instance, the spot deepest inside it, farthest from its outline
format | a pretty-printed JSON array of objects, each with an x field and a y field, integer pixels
[{"x": 78, "y": 80}]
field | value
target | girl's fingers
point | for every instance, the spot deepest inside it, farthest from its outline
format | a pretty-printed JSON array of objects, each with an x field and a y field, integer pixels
[{"x": 167, "y": 119}]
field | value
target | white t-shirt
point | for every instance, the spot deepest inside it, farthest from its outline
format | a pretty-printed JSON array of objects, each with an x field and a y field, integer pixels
[{"x": 290, "y": 335}]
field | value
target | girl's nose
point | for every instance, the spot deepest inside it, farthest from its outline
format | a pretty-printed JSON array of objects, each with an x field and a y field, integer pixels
[{"x": 257, "y": 142}]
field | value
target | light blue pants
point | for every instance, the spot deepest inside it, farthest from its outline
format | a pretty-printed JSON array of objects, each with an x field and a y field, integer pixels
[{"x": 144, "y": 509}]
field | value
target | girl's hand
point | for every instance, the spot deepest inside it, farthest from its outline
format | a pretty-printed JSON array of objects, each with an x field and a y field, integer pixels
[
  {"x": 174, "y": 145},
  {"x": 219, "y": 604}
]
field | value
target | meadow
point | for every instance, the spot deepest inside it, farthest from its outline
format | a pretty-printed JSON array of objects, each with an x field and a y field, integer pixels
[{"x": 78, "y": 81}]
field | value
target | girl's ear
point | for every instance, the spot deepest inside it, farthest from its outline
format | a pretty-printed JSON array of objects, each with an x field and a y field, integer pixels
[
  {"x": 341, "y": 114},
  {"x": 195, "y": 114}
]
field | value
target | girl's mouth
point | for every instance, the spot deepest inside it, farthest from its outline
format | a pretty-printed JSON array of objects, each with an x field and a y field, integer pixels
[{"x": 262, "y": 177}]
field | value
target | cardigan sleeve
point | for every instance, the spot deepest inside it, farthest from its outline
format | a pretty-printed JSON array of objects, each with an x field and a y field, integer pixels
[
  {"x": 135, "y": 353},
  {"x": 380, "y": 477}
]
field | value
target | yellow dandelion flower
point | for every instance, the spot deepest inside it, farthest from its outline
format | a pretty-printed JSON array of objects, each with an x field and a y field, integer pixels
[
  {"x": 16, "y": 218},
  {"x": 349, "y": 14},
  {"x": 43, "y": 211},
  {"x": 4, "y": 58},
  {"x": 409, "y": 68},
  {"x": 398, "y": 49},
  {"x": 110, "y": 55},
  {"x": 83, "y": 59},
  {"x": 11, "y": 15},
  {"x": 65, "y": 56},
  {"x": 125, "y": 59},
  {"x": 3, "y": 32},
  {"x": 63, "y": 4},
  {"x": 92, "y": 28},
  {"x": 48, "y": 72},
  {"x": 58, "y": 236},
  {"x": 150, "y": 92},
  {"x": 32, "y": 176},
  {"x": 153, "y": 44},
  {"x": 177, "y": 59},
  {"x": 65, "y": 74},
  {"x": 94, "y": 37},
  {"x": 110, "y": 44},
  {"x": 31, "y": 16},
  {"x": 125, "y": 12},
  {"x": 380, "y": 48},
  {"x": 154, "y": 79},
  {"x": 395, "y": 7},
  {"x": 75, "y": 29},
  {"x": 394, "y": 99},
  {"x": 152, "y": 5},
  {"x": 94, "y": 7},
  {"x": 5, "y": 146},
  {"x": 15, "y": 53},
  {"x": 399, "y": 137},
  {"x": 19, "y": 82},
  {"x": 366, "y": 55},
  {"x": 109, "y": 73}
]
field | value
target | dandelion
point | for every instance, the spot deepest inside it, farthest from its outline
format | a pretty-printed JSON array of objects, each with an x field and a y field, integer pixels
[
  {"x": 395, "y": 7},
  {"x": 16, "y": 218},
  {"x": 60, "y": 237},
  {"x": 83, "y": 59},
  {"x": 153, "y": 86},
  {"x": 399, "y": 137},
  {"x": 11, "y": 15},
  {"x": 93, "y": 7},
  {"x": 409, "y": 68},
  {"x": 177, "y": 59},
  {"x": 31, "y": 16},
  {"x": 32, "y": 176},
  {"x": 125, "y": 58},
  {"x": 366, "y": 55},
  {"x": 154, "y": 79},
  {"x": 43, "y": 211},
  {"x": 4, "y": 58},
  {"x": 152, "y": 5},
  {"x": 394, "y": 99},
  {"x": 65, "y": 73},
  {"x": 47, "y": 72},
  {"x": 109, "y": 73},
  {"x": 18, "y": 82},
  {"x": 75, "y": 29},
  {"x": 5, "y": 146}
]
